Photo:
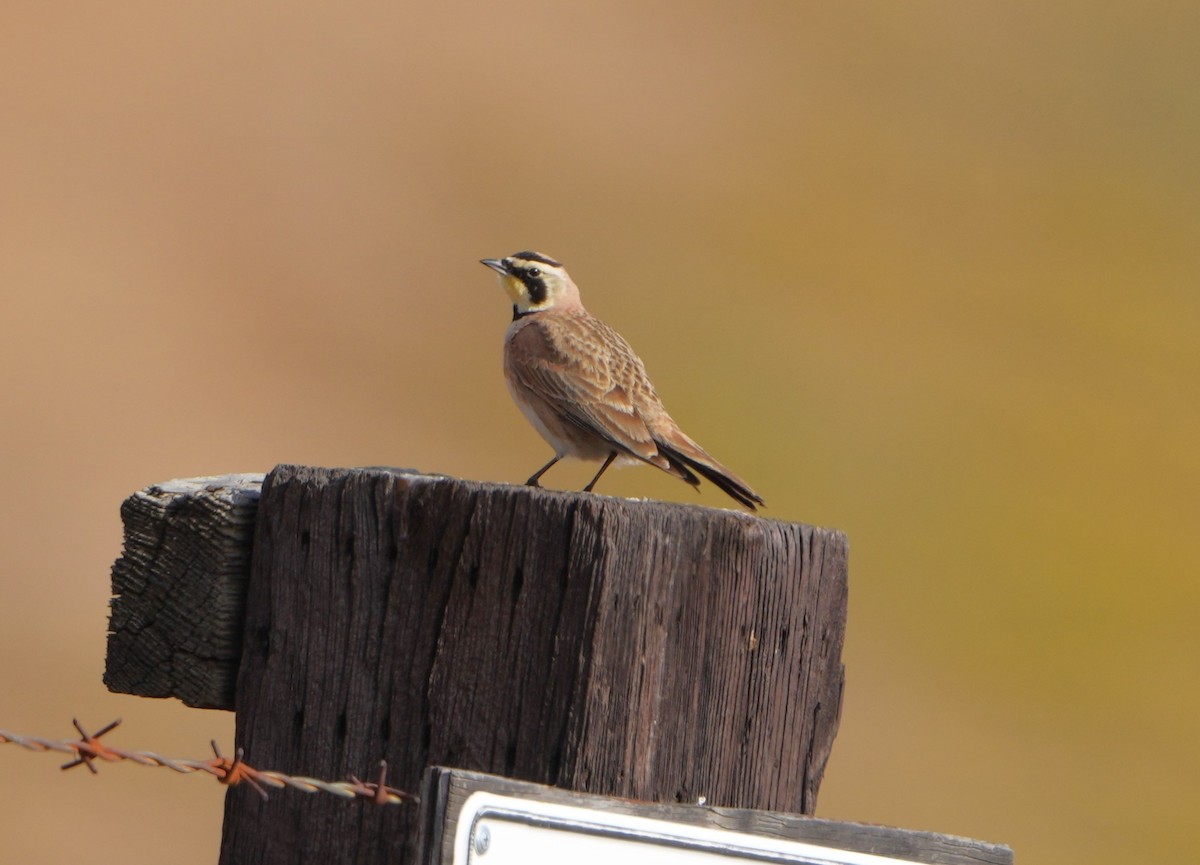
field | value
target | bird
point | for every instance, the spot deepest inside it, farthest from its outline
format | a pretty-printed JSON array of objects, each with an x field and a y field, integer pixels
[{"x": 582, "y": 386}]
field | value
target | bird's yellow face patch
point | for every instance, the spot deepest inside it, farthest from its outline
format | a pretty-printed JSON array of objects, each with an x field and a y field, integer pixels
[
  {"x": 533, "y": 281},
  {"x": 515, "y": 288}
]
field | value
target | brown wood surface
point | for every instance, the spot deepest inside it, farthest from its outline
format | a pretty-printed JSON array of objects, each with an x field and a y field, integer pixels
[
  {"x": 656, "y": 651},
  {"x": 445, "y": 791},
  {"x": 179, "y": 589}
]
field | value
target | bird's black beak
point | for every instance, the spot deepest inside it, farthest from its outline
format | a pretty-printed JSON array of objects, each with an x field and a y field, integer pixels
[{"x": 495, "y": 264}]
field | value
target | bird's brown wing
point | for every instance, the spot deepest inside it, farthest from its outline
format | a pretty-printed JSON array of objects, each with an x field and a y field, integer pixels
[{"x": 590, "y": 376}]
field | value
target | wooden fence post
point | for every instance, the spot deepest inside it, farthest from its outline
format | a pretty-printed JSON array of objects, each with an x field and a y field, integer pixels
[
  {"x": 660, "y": 652},
  {"x": 654, "y": 651}
]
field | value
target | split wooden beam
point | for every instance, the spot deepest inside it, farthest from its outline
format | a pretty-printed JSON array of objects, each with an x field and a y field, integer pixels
[{"x": 179, "y": 590}]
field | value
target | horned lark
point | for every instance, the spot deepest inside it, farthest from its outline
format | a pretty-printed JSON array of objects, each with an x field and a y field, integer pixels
[{"x": 583, "y": 388}]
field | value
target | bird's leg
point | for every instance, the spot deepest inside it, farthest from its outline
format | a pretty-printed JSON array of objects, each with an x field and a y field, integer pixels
[
  {"x": 533, "y": 481},
  {"x": 608, "y": 462}
]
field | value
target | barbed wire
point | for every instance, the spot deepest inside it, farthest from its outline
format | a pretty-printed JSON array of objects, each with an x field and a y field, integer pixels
[{"x": 88, "y": 749}]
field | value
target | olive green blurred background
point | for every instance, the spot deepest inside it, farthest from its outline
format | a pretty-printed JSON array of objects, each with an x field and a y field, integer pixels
[{"x": 925, "y": 272}]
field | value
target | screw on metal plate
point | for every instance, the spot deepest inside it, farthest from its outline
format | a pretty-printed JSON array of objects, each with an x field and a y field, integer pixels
[{"x": 483, "y": 840}]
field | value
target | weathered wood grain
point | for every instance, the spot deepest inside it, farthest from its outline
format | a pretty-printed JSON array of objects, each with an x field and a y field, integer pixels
[
  {"x": 655, "y": 651},
  {"x": 446, "y": 790},
  {"x": 179, "y": 588}
]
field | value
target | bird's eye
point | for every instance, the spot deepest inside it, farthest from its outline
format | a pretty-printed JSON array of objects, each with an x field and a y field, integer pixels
[{"x": 534, "y": 271}]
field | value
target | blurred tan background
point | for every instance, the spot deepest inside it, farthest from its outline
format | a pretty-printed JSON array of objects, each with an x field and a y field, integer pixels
[{"x": 925, "y": 272}]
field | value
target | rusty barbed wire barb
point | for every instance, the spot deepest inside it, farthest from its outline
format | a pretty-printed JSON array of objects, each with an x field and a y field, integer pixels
[
  {"x": 235, "y": 771},
  {"x": 87, "y": 749},
  {"x": 91, "y": 748},
  {"x": 379, "y": 792}
]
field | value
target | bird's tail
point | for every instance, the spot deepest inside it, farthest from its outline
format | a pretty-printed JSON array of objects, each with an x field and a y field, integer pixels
[{"x": 685, "y": 456}]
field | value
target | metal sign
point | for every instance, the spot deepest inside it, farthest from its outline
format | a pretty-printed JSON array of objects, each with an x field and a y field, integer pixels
[{"x": 504, "y": 830}]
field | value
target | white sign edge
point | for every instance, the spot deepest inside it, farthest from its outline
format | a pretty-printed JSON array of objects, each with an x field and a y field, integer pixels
[{"x": 590, "y": 821}]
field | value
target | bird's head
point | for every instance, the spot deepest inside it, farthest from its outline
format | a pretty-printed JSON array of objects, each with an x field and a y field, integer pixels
[{"x": 535, "y": 282}]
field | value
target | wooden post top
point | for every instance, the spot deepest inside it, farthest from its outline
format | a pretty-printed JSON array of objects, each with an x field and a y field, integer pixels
[{"x": 179, "y": 585}]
